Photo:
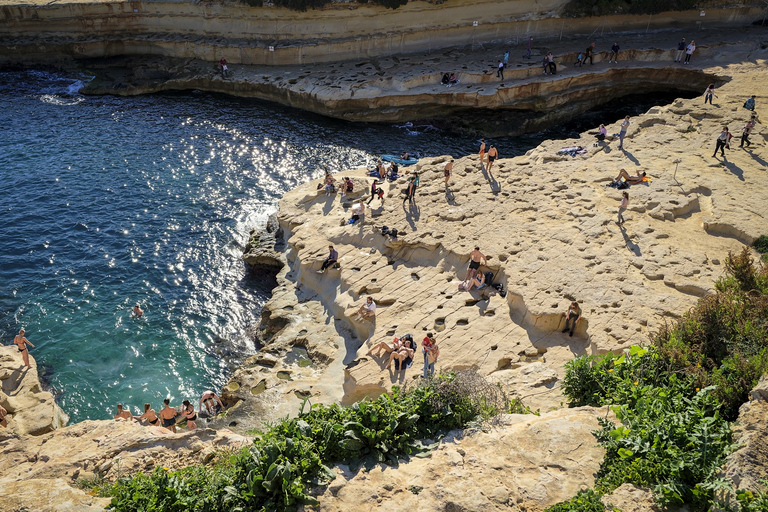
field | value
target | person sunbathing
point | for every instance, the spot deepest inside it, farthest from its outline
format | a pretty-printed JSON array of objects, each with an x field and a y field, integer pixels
[
  {"x": 453, "y": 80},
  {"x": 632, "y": 180},
  {"x": 396, "y": 345},
  {"x": 405, "y": 352},
  {"x": 476, "y": 281}
]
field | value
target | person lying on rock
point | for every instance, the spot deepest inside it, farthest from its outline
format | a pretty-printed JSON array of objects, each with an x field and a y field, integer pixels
[
  {"x": 405, "y": 352},
  {"x": 212, "y": 402},
  {"x": 149, "y": 415},
  {"x": 333, "y": 256},
  {"x": 168, "y": 415},
  {"x": 632, "y": 180},
  {"x": 572, "y": 316},
  {"x": 386, "y": 347},
  {"x": 122, "y": 413},
  {"x": 368, "y": 309}
]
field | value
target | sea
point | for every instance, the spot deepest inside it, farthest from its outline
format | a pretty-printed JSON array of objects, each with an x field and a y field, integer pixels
[{"x": 114, "y": 201}]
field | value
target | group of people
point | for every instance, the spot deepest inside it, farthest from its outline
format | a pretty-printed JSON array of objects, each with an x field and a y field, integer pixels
[
  {"x": 723, "y": 140},
  {"x": 493, "y": 154},
  {"x": 685, "y": 50},
  {"x": 449, "y": 80},
  {"x": 403, "y": 349},
  {"x": 169, "y": 417}
]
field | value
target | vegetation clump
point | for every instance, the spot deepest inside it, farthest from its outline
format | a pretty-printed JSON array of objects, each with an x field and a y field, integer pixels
[
  {"x": 674, "y": 399},
  {"x": 291, "y": 457}
]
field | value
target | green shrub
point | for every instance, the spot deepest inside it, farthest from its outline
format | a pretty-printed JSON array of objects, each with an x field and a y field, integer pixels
[
  {"x": 584, "y": 501},
  {"x": 761, "y": 244}
]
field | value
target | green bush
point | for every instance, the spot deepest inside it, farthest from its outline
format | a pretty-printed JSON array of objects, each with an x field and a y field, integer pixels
[
  {"x": 584, "y": 501},
  {"x": 761, "y": 244}
]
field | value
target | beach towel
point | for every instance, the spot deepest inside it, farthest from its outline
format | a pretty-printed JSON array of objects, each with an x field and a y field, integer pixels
[{"x": 573, "y": 151}]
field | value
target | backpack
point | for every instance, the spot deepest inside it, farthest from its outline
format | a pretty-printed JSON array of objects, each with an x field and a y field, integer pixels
[{"x": 488, "y": 278}]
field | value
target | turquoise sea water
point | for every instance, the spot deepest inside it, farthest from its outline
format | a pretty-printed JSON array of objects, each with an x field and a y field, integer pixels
[{"x": 110, "y": 201}]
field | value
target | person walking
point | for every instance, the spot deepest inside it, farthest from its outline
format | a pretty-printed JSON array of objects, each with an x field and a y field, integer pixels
[
  {"x": 689, "y": 51},
  {"x": 709, "y": 93},
  {"x": 528, "y": 51},
  {"x": 506, "y": 58},
  {"x": 623, "y": 132},
  {"x": 614, "y": 56},
  {"x": 722, "y": 142},
  {"x": 482, "y": 152},
  {"x": 410, "y": 192},
  {"x": 493, "y": 154},
  {"x": 22, "y": 342},
  {"x": 622, "y": 207},
  {"x": 589, "y": 53},
  {"x": 746, "y": 131},
  {"x": 500, "y": 70},
  {"x": 680, "y": 50},
  {"x": 374, "y": 190}
]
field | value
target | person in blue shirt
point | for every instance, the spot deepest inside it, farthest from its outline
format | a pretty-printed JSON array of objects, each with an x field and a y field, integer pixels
[
  {"x": 614, "y": 56},
  {"x": 333, "y": 256}
]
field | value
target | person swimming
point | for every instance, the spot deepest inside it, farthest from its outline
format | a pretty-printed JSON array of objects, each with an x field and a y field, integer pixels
[{"x": 137, "y": 311}]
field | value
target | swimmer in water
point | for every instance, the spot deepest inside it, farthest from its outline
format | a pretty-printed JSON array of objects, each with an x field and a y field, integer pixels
[
  {"x": 137, "y": 311},
  {"x": 22, "y": 343}
]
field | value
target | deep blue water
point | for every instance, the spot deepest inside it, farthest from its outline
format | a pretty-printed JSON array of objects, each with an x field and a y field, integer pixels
[{"x": 110, "y": 201}]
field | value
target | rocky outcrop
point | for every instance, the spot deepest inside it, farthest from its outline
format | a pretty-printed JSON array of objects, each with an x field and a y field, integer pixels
[
  {"x": 264, "y": 247},
  {"x": 525, "y": 462},
  {"x": 630, "y": 498},
  {"x": 30, "y": 409}
]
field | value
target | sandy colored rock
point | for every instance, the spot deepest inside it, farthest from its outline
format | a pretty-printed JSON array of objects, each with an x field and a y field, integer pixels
[
  {"x": 526, "y": 462},
  {"x": 629, "y": 498},
  {"x": 30, "y": 409},
  {"x": 48, "y": 495}
]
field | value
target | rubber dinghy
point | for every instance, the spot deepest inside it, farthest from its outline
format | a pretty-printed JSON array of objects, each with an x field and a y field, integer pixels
[{"x": 398, "y": 160}]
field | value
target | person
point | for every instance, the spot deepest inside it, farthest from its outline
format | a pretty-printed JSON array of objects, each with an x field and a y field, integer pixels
[
  {"x": 347, "y": 186},
  {"x": 381, "y": 170},
  {"x": 551, "y": 63},
  {"x": 212, "y": 402},
  {"x": 383, "y": 345},
  {"x": 475, "y": 258},
  {"x": 330, "y": 186},
  {"x": 722, "y": 142},
  {"x": 406, "y": 351},
  {"x": 680, "y": 50},
  {"x": 357, "y": 212},
  {"x": 149, "y": 415},
  {"x": 528, "y": 51},
  {"x": 614, "y": 55},
  {"x": 623, "y": 206},
  {"x": 405, "y": 155},
  {"x": 224, "y": 69},
  {"x": 374, "y": 190},
  {"x": 447, "y": 172},
  {"x": 623, "y": 132},
  {"x": 3, "y": 416},
  {"x": 476, "y": 281},
  {"x": 750, "y": 103},
  {"x": 168, "y": 416},
  {"x": 445, "y": 79},
  {"x": 22, "y": 343},
  {"x": 453, "y": 80},
  {"x": 590, "y": 53},
  {"x": 189, "y": 414},
  {"x": 137, "y": 311},
  {"x": 393, "y": 174},
  {"x": 416, "y": 179},
  {"x": 482, "y": 151},
  {"x": 506, "y": 58},
  {"x": 579, "y": 59},
  {"x": 573, "y": 313},
  {"x": 122, "y": 413},
  {"x": 410, "y": 192},
  {"x": 333, "y": 256},
  {"x": 431, "y": 354},
  {"x": 368, "y": 309},
  {"x": 689, "y": 51},
  {"x": 500, "y": 70},
  {"x": 493, "y": 154},
  {"x": 545, "y": 63},
  {"x": 602, "y": 133},
  {"x": 709, "y": 93},
  {"x": 746, "y": 131},
  {"x": 632, "y": 180}
]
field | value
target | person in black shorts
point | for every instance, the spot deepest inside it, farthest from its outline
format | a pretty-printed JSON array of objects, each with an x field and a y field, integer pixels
[
  {"x": 493, "y": 154},
  {"x": 168, "y": 416},
  {"x": 475, "y": 258}
]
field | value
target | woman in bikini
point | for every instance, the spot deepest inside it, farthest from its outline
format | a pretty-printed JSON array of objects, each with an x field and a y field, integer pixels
[
  {"x": 168, "y": 415},
  {"x": 188, "y": 412},
  {"x": 403, "y": 353},
  {"x": 22, "y": 343},
  {"x": 149, "y": 415},
  {"x": 396, "y": 345}
]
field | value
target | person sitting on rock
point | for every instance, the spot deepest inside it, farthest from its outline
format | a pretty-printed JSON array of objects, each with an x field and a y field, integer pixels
[
  {"x": 750, "y": 103},
  {"x": 333, "y": 256},
  {"x": 149, "y": 415},
  {"x": 446, "y": 79},
  {"x": 632, "y": 180},
  {"x": 357, "y": 212},
  {"x": 602, "y": 133},
  {"x": 347, "y": 187},
  {"x": 393, "y": 172},
  {"x": 368, "y": 309},
  {"x": 477, "y": 281},
  {"x": 212, "y": 402},
  {"x": 330, "y": 187},
  {"x": 121, "y": 413},
  {"x": 168, "y": 415},
  {"x": 573, "y": 314},
  {"x": 386, "y": 347},
  {"x": 453, "y": 80},
  {"x": 189, "y": 414}
]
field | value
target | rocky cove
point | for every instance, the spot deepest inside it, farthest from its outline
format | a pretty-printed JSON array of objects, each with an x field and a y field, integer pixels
[{"x": 545, "y": 223}]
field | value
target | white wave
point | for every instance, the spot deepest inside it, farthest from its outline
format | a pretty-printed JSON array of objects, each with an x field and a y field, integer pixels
[{"x": 56, "y": 99}]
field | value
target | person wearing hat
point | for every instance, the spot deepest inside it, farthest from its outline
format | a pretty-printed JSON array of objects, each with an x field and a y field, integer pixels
[{"x": 431, "y": 354}]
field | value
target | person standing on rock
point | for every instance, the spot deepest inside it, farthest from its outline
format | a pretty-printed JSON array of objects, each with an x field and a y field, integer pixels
[
  {"x": 212, "y": 402},
  {"x": 223, "y": 66},
  {"x": 623, "y": 207},
  {"x": 493, "y": 154},
  {"x": 122, "y": 413},
  {"x": 333, "y": 257},
  {"x": 528, "y": 51},
  {"x": 410, "y": 192},
  {"x": 623, "y": 132},
  {"x": 551, "y": 64},
  {"x": 22, "y": 343},
  {"x": 189, "y": 414},
  {"x": 689, "y": 51},
  {"x": 431, "y": 354},
  {"x": 482, "y": 152},
  {"x": 589, "y": 53},
  {"x": 709, "y": 93},
  {"x": 614, "y": 56},
  {"x": 506, "y": 57},
  {"x": 500, "y": 70},
  {"x": 573, "y": 313},
  {"x": 376, "y": 191},
  {"x": 168, "y": 416},
  {"x": 680, "y": 50},
  {"x": 475, "y": 259},
  {"x": 746, "y": 131},
  {"x": 447, "y": 172},
  {"x": 722, "y": 142}
]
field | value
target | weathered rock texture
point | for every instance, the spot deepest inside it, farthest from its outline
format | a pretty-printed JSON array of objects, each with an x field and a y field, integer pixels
[
  {"x": 525, "y": 463},
  {"x": 30, "y": 409}
]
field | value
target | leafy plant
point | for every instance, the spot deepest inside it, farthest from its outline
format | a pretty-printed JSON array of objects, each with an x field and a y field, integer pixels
[
  {"x": 761, "y": 244},
  {"x": 584, "y": 501}
]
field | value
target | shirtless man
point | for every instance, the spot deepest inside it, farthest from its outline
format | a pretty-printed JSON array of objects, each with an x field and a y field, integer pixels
[
  {"x": 137, "y": 311},
  {"x": 493, "y": 154},
  {"x": 482, "y": 152},
  {"x": 447, "y": 172},
  {"x": 211, "y": 400},
  {"x": 122, "y": 413},
  {"x": 168, "y": 416},
  {"x": 22, "y": 343},
  {"x": 632, "y": 180},
  {"x": 475, "y": 258}
]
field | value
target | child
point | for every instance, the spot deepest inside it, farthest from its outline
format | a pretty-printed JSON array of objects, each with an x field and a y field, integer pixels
[{"x": 623, "y": 207}]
